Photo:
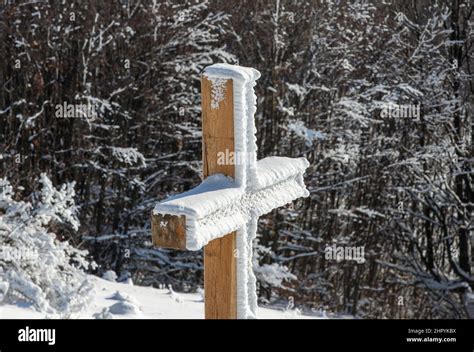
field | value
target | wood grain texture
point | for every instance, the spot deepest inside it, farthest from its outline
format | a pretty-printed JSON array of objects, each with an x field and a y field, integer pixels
[
  {"x": 220, "y": 278},
  {"x": 220, "y": 264},
  {"x": 217, "y": 129},
  {"x": 168, "y": 231}
]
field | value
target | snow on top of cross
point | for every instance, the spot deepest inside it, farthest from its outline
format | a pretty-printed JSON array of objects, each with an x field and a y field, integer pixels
[
  {"x": 246, "y": 74},
  {"x": 218, "y": 206}
]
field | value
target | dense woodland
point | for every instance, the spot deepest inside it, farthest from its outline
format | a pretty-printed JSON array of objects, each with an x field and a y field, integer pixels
[{"x": 403, "y": 188}]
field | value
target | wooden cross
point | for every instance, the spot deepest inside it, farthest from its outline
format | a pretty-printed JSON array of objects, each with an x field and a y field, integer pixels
[{"x": 221, "y": 214}]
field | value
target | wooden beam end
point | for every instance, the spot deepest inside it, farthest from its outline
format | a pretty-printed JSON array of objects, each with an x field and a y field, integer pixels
[{"x": 168, "y": 231}]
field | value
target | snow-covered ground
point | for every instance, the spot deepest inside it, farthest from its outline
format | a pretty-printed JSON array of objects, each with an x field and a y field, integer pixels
[{"x": 113, "y": 300}]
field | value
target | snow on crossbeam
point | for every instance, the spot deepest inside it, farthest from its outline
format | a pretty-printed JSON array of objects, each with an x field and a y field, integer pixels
[{"x": 217, "y": 206}]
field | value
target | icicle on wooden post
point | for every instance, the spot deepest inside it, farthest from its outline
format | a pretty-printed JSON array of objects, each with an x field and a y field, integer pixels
[{"x": 221, "y": 213}]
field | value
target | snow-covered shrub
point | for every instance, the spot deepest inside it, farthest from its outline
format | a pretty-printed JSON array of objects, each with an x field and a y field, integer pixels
[
  {"x": 34, "y": 265},
  {"x": 273, "y": 275},
  {"x": 270, "y": 275}
]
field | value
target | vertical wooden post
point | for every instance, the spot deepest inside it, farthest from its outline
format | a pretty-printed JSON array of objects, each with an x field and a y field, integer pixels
[{"x": 220, "y": 264}]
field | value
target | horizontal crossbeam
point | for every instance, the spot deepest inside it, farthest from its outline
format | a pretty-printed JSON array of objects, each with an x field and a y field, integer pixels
[{"x": 217, "y": 207}]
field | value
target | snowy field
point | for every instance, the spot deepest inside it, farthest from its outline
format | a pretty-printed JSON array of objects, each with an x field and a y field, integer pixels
[{"x": 113, "y": 300}]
